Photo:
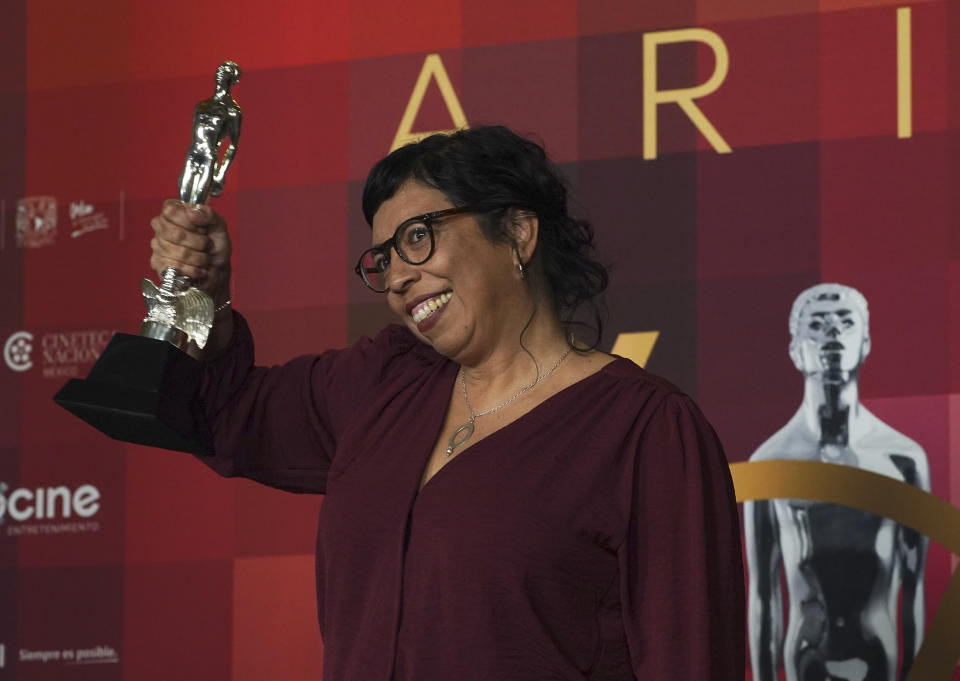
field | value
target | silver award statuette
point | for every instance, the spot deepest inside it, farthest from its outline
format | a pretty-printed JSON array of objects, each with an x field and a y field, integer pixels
[
  {"x": 143, "y": 388},
  {"x": 214, "y": 120},
  {"x": 177, "y": 312}
]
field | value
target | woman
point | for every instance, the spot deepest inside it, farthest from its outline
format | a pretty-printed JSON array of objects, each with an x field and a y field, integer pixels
[{"x": 502, "y": 502}]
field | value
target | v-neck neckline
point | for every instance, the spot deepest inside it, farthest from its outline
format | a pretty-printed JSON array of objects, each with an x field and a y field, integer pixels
[{"x": 438, "y": 427}]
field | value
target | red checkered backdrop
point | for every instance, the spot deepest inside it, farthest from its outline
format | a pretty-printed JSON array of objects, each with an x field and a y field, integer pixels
[{"x": 731, "y": 154}]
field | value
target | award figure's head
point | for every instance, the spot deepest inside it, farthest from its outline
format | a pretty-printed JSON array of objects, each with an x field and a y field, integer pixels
[
  {"x": 227, "y": 75},
  {"x": 829, "y": 331}
]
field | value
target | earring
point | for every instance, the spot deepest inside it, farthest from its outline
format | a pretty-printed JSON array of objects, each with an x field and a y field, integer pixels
[{"x": 523, "y": 273}]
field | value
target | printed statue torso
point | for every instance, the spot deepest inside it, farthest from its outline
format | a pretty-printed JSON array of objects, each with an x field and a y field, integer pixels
[{"x": 842, "y": 567}]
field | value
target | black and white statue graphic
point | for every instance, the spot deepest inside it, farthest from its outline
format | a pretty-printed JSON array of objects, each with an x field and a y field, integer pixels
[{"x": 845, "y": 570}]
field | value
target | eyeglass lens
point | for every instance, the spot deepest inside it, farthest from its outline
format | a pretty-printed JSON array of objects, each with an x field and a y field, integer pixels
[{"x": 413, "y": 240}]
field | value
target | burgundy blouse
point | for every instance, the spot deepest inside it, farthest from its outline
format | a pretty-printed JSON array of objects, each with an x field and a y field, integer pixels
[{"x": 596, "y": 537}]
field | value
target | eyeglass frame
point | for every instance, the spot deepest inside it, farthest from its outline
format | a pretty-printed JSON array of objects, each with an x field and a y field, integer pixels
[{"x": 384, "y": 247}]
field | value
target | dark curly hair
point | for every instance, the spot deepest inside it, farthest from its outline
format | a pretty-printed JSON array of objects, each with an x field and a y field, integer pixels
[{"x": 493, "y": 169}]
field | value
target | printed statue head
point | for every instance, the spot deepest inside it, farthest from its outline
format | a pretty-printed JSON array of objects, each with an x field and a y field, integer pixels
[{"x": 829, "y": 329}]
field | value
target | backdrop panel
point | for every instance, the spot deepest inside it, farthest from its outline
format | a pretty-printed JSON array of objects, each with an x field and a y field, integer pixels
[{"x": 825, "y": 150}]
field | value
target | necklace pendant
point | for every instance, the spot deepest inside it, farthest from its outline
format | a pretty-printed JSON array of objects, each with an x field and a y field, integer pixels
[{"x": 455, "y": 440}]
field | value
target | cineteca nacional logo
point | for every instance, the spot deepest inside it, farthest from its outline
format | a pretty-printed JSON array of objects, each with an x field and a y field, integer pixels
[
  {"x": 17, "y": 349},
  {"x": 60, "y": 354}
]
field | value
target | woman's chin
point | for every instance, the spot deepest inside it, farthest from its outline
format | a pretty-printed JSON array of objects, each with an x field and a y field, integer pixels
[{"x": 439, "y": 339}]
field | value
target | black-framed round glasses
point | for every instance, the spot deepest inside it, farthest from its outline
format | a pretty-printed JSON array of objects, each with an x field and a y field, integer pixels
[{"x": 413, "y": 241}]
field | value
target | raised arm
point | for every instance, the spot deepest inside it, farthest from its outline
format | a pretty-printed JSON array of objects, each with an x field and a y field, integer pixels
[{"x": 278, "y": 425}]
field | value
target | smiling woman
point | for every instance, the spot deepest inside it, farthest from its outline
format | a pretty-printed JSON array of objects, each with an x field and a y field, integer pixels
[
  {"x": 503, "y": 501},
  {"x": 504, "y": 180}
]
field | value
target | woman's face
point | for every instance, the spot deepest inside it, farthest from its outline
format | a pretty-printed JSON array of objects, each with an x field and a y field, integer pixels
[{"x": 464, "y": 299}]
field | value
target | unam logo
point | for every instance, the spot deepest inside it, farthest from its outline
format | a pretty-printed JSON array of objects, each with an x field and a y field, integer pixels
[
  {"x": 17, "y": 349},
  {"x": 36, "y": 221}
]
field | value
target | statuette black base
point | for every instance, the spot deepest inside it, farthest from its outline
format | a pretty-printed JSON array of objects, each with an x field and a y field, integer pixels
[{"x": 141, "y": 390}]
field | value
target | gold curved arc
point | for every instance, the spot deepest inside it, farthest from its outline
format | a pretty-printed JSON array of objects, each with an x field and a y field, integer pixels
[
  {"x": 879, "y": 494},
  {"x": 836, "y": 484}
]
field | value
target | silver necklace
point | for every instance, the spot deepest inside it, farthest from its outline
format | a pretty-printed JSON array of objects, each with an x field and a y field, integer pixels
[{"x": 463, "y": 433}]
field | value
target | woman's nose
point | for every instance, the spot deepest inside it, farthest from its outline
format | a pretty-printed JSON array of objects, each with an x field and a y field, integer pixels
[{"x": 401, "y": 275}]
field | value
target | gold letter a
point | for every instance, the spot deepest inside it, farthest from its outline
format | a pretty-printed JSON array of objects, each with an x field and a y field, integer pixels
[
  {"x": 432, "y": 66},
  {"x": 636, "y": 346}
]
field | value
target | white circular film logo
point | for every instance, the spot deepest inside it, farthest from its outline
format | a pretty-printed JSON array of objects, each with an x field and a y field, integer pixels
[{"x": 16, "y": 351}]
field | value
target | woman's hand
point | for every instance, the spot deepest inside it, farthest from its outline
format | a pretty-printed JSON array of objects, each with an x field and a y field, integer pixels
[{"x": 194, "y": 240}]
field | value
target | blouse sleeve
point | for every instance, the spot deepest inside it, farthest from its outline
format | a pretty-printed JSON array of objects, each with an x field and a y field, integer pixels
[
  {"x": 280, "y": 425},
  {"x": 681, "y": 573}
]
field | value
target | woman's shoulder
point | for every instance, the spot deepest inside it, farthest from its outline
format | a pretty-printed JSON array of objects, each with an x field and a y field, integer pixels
[
  {"x": 634, "y": 385},
  {"x": 626, "y": 370},
  {"x": 644, "y": 395}
]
